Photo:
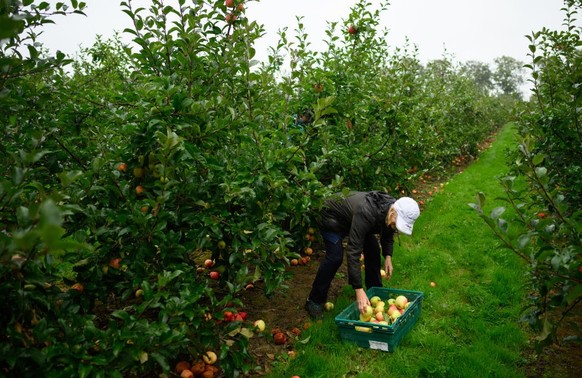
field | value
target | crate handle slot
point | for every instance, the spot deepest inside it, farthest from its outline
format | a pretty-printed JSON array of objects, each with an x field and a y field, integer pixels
[{"x": 363, "y": 329}]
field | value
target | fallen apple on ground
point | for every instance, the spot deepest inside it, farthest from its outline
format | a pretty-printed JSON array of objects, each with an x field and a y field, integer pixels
[
  {"x": 209, "y": 357},
  {"x": 280, "y": 338},
  {"x": 259, "y": 325}
]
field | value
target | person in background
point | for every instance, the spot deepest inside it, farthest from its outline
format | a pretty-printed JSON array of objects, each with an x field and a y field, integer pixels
[
  {"x": 302, "y": 120},
  {"x": 359, "y": 216}
]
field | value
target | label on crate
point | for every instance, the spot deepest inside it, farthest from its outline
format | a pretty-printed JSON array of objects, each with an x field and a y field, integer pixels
[{"x": 378, "y": 345}]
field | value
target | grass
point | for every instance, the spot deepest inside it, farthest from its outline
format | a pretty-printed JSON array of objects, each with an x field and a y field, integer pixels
[{"x": 469, "y": 323}]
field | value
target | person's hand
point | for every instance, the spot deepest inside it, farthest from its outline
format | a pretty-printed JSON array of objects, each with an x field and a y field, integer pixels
[
  {"x": 388, "y": 267},
  {"x": 362, "y": 300}
]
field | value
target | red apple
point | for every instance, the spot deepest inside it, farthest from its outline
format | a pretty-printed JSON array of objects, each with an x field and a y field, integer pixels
[
  {"x": 208, "y": 263},
  {"x": 186, "y": 374},
  {"x": 228, "y": 316},
  {"x": 79, "y": 287},
  {"x": 392, "y": 309},
  {"x": 122, "y": 167},
  {"x": 181, "y": 366},
  {"x": 280, "y": 338},
  {"x": 229, "y": 3},
  {"x": 214, "y": 275},
  {"x": 115, "y": 263},
  {"x": 139, "y": 190},
  {"x": 198, "y": 367},
  {"x": 230, "y": 18},
  {"x": 352, "y": 29}
]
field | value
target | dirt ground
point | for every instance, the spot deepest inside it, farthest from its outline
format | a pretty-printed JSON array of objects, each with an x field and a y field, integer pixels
[{"x": 289, "y": 301}]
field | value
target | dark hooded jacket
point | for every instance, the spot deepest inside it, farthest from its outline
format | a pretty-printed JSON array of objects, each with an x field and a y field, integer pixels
[{"x": 356, "y": 215}]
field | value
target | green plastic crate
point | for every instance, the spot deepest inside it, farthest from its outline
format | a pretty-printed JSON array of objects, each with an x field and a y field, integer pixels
[{"x": 378, "y": 336}]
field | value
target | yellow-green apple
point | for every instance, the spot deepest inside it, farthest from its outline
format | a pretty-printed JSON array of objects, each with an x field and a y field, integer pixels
[
  {"x": 395, "y": 315},
  {"x": 365, "y": 317},
  {"x": 379, "y": 307},
  {"x": 391, "y": 301},
  {"x": 328, "y": 306},
  {"x": 374, "y": 300},
  {"x": 401, "y": 301},
  {"x": 392, "y": 309},
  {"x": 138, "y": 172},
  {"x": 259, "y": 325},
  {"x": 210, "y": 357}
]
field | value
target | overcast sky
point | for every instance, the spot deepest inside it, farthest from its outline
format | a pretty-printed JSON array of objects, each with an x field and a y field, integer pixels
[{"x": 479, "y": 30}]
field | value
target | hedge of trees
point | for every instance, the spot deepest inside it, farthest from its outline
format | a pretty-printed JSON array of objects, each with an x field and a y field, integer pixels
[{"x": 127, "y": 168}]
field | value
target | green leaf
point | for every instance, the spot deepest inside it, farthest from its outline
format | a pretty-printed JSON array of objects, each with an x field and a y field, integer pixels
[
  {"x": 162, "y": 361},
  {"x": 503, "y": 225},
  {"x": 523, "y": 241},
  {"x": 538, "y": 159},
  {"x": 496, "y": 213},
  {"x": 574, "y": 294}
]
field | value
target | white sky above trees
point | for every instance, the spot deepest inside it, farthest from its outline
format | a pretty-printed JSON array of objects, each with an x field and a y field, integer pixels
[{"x": 464, "y": 30}]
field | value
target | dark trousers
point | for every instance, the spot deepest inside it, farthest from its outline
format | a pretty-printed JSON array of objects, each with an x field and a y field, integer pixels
[{"x": 334, "y": 255}]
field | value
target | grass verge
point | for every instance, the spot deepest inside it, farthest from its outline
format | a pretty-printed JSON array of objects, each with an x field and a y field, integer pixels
[{"x": 469, "y": 323}]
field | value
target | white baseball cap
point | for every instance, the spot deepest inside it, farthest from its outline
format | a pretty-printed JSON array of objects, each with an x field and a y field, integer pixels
[{"x": 407, "y": 210}]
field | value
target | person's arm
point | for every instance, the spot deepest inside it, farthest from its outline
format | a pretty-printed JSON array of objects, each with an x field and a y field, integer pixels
[
  {"x": 358, "y": 231},
  {"x": 362, "y": 300},
  {"x": 388, "y": 266},
  {"x": 387, "y": 243}
]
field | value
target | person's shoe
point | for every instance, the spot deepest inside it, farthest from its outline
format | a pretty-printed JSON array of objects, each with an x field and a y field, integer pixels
[{"x": 314, "y": 310}]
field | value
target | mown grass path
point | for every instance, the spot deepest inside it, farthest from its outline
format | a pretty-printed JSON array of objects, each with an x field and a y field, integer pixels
[{"x": 469, "y": 324}]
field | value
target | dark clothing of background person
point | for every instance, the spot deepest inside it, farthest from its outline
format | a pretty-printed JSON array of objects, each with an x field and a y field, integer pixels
[{"x": 359, "y": 216}]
